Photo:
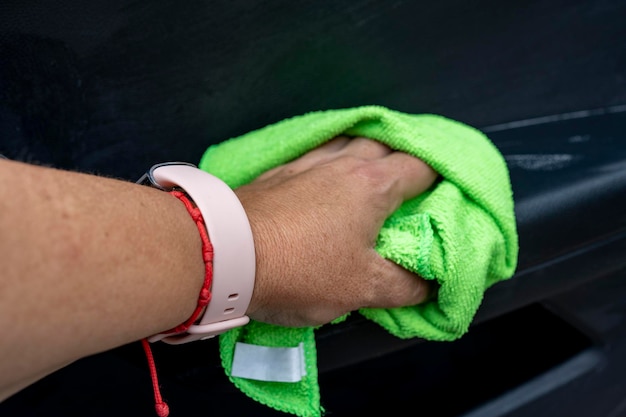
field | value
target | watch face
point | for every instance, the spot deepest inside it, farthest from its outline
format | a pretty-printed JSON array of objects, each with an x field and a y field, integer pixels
[{"x": 148, "y": 177}]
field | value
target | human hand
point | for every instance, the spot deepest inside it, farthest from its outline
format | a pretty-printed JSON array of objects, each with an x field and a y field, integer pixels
[{"x": 315, "y": 222}]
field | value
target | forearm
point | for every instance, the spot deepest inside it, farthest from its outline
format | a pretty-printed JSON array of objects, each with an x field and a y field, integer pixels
[
  {"x": 88, "y": 264},
  {"x": 91, "y": 263}
]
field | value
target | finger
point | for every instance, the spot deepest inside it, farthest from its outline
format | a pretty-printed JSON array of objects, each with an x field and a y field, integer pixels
[
  {"x": 332, "y": 145},
  {"x": 338, "y": 147},
  {"x": 366, "y": 148},
  {"x": 322, "y": 154},
  {"x": 341, "y": 146},
  {"x": 402, "y": 287},
  {"x": 413, "y": 176}
]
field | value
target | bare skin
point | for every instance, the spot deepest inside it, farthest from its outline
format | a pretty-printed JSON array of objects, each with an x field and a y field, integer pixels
[
  {"x": 318, "y": 218},
  {"x": 83, "y": 267}
]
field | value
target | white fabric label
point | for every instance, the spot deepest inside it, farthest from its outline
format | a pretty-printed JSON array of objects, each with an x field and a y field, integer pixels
[{"x": 263, "y": 363}]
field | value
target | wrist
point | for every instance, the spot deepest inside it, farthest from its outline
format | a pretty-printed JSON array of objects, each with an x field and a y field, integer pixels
[
  {"x": 233, "y": 267},
  {"x": 272, "y": 289}
]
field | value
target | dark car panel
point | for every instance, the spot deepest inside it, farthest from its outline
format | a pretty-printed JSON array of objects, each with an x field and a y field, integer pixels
[{"x": 112, "y": 87}]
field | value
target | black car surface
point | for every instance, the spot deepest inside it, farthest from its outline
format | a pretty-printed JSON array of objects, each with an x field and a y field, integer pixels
[{"x": 112, "y": 87}]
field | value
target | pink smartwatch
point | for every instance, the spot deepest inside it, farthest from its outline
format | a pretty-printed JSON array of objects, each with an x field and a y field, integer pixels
[{"x": 234, "y": 263}]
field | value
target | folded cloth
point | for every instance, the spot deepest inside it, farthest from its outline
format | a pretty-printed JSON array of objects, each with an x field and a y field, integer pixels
[{"x": 461, "y": 233}]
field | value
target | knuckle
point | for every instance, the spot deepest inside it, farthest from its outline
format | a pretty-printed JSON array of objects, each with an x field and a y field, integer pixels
[{"x": 372, "y": 175}]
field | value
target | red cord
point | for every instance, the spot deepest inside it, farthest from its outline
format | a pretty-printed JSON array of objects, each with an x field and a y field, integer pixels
[
  {"x": 207, "y": 257},
  {"x": 161, "y": 407}
]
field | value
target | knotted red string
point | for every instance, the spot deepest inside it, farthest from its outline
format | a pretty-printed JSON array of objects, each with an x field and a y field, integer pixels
[{"x": 161, "y": 407}]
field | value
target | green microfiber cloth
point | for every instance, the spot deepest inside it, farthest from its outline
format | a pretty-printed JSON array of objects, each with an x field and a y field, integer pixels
[{"x": 461, "y": 233}]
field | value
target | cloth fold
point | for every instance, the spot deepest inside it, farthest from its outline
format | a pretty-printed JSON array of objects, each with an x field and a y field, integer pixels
[{"x": 461, "y": 233}]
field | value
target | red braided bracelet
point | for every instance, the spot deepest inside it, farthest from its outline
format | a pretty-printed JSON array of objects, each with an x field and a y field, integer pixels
[
  {"x": 161, "y": 407},
  {"x": 207, "y": 257}
]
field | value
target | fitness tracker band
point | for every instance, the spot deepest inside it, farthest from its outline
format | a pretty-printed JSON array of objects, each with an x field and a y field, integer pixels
[{"x": 234, "y": 263}]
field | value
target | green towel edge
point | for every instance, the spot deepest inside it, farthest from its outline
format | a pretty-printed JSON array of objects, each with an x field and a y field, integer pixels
[{"x": 308, "y": 404}]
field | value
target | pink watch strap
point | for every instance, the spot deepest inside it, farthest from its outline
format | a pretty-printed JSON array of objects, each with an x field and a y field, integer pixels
[{"x": 234, "y": 263}]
